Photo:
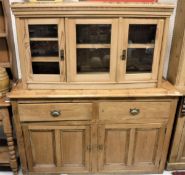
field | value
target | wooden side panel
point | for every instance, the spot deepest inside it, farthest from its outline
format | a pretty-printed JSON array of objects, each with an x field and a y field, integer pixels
[{"x": 177, "y": 61}]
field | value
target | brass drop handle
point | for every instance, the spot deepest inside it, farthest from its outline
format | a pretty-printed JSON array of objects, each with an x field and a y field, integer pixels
[
  {"x": 55, "y": 113},
  {"x": 124, "y": 55},
  {"x": 134, "y": 111}
]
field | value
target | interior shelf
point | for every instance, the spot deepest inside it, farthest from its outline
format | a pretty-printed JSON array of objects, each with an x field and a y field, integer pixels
[
  {"x": 134, "y": 46},
  {"x": 45, "y": 59},
  {"x": 43, "y": 39},
  {"x": 92, "y": 46}
]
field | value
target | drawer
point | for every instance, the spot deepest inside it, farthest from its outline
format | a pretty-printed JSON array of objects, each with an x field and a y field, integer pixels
[
  {"x": 55, "y": 111},
  {"x": 134, "y": 111}
]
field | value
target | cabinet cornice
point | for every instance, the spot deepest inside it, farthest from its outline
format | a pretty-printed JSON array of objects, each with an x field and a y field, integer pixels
[{"x": 92, "y": 9}]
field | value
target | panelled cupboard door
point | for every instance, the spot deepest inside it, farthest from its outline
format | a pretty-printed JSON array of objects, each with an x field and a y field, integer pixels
[
  {"x": 134, "y": 147},
  {"x": 92, "y": 49},
  {"x": 181, "y": 152},
  {"x": 177, "y": 155},
  {"x": 139, "y": 49},
  {"x": 45, "y": 46},
  {"x": 57, "y": 148}
]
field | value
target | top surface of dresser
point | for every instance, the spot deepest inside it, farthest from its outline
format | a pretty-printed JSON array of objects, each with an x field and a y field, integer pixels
[{"x": 167, "y": 90}]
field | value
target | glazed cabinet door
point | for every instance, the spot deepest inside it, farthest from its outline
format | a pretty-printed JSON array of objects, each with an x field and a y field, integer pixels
[
  {"x": 93, "y": 49},
  {"x": 45, "y": 42},
  {"x": 134, "y": 147},
  {"x": 139, "y": 49},
  {"x": 57, "y": 148}
]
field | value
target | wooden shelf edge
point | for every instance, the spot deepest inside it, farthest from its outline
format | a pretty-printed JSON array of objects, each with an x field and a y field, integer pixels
[
  {"x": 3, "y": 35},
  {"x": 4, "y": 155},
  {"x": 5, "y": 65}
]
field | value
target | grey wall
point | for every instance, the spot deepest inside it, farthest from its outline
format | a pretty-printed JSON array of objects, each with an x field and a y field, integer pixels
[{"x": 168, "y": 45}]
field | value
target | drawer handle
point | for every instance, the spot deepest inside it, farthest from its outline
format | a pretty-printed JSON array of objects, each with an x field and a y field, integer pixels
[
  {"x": 55, "y": 113},
  {"x": 134, "y": 111}
]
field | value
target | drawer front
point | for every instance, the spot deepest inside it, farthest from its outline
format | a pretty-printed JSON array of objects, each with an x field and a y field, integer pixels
[
  {"x": 134, "y": 111},
  {"x": 55, "y": 111}
]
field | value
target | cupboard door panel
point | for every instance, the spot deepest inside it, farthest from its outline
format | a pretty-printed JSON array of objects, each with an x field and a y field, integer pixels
[
  {"x": 146, "y": 146},
  {"x": 113, "y": 147},
  {"x": 75, "y": 141},
  {"x": 116, "y": 140},
  {"x": 40, "y": 144}
]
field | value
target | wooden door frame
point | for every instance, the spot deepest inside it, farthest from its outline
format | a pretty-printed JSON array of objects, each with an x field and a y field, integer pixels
[
  {"x": 123, "y": 45},
  {"x": 72, "y": 75},
  {"x": 61, "y": 46}
]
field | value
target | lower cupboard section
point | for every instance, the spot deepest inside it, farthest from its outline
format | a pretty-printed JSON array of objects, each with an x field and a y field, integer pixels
[
  {"x": 100, "y": 148},
  {"x": 62, "y": 148}
]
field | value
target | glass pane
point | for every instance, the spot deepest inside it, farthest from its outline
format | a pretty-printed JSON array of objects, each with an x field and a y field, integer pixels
[
  {"x": 44, "y": 48},
  {"x": 45, "y": 68},
  {"x": 43, "y": 31},
  {"x": 139, "y": 60},
  {"x": 93, "y": 33},
  {"x": 142, "y": 33},
  {"x": 93, "y": 60}
]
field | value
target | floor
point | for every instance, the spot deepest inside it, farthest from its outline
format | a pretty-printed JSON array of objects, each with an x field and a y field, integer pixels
[{"x": 9, "y": 173}]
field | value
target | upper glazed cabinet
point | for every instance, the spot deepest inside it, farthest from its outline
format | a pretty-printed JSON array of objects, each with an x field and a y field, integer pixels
[{"x": 99, "y": 45}]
